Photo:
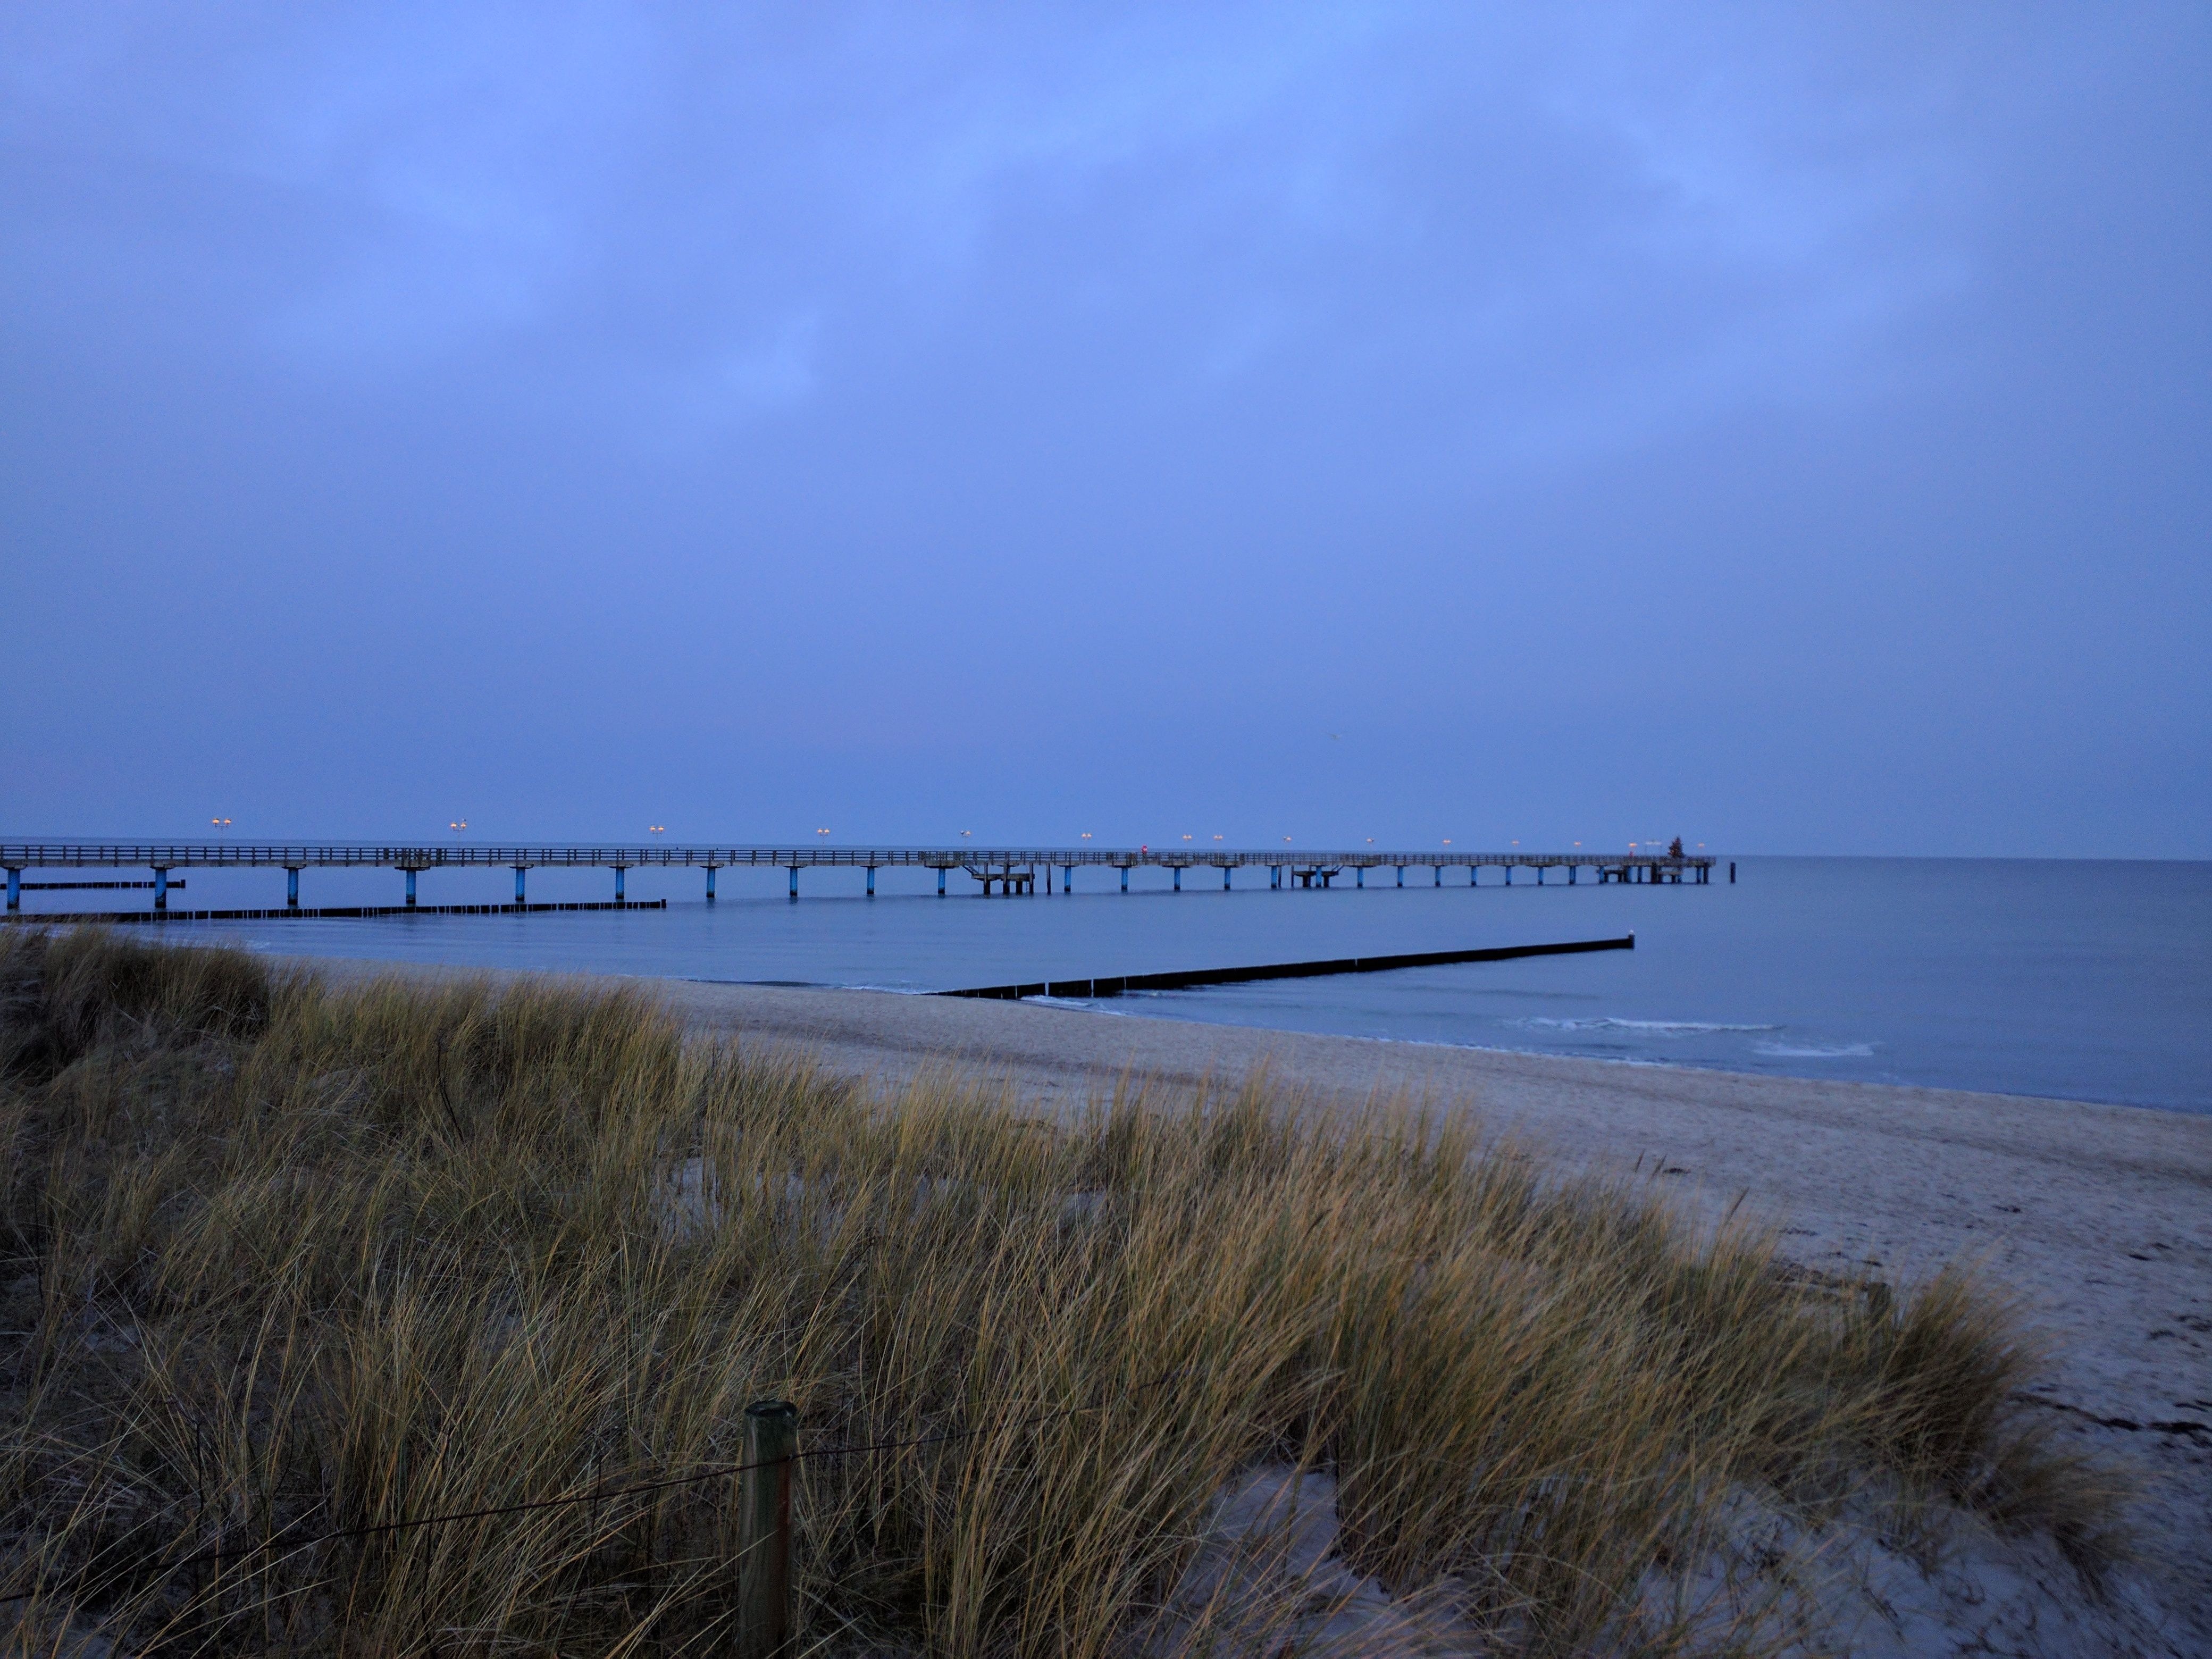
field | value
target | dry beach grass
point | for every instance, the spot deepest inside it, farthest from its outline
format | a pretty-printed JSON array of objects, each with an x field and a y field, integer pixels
[{"x": 291, "y": 1257}]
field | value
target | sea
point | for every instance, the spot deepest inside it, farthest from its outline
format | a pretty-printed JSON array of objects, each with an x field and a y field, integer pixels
[{"x": 2073, "y": 978}]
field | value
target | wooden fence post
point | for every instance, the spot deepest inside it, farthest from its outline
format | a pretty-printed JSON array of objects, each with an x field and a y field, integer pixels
[{"x": 764, "y": 1627}]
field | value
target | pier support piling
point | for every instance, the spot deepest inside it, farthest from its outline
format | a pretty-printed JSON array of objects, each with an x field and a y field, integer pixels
[
  {"x": 710, "y": 882},
  {"x": 1067, "y": 880},
  {"x": 1125, "y": 878},
  {"x": 620, "y": 871},
  {"x": 871, "y": 881},
  {"x": 14, "y": 887},
  {"x": 1440, "y": 874},
  {"x": 522, "y": 883},
  {"x": 941, "y": 881},
  {"x": 291, "y": 887},
  {"x": 794, "y": 881},
  {"x": 1178, "y": 879},
  {"x": 1401, "y": 875},
  {"x": 161, "y": 883}
]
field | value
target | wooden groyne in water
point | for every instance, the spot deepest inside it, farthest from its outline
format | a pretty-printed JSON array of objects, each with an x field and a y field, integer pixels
[{"x": 1119, "y": 984}]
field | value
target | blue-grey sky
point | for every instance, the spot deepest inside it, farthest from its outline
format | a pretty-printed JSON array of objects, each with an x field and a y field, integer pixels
[{"x": 1788, "y": 427}]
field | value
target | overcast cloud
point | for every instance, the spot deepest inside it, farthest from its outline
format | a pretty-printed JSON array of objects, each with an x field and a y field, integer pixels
[{"x": 1786, "y": 427}]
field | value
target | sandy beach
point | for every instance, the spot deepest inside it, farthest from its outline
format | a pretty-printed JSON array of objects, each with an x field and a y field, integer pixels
[{"x": 2098, "y": 1218}]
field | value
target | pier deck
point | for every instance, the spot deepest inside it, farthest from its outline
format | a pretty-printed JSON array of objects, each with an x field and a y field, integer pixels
[{"x": 1008, "y": 870}]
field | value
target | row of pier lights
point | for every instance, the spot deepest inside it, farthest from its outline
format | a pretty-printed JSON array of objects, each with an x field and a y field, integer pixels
[{"x": 1021, "y": 877}]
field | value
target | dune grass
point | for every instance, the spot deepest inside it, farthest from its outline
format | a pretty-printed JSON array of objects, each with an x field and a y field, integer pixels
[{"x": 284, "y": 1259}]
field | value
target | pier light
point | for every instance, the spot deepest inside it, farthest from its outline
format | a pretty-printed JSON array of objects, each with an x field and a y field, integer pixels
[
  {"x": 1086, "y": 835},
  {"x": 1447, "y": 841},
  {"x": 1185, "y": 837},
  {"x": 1218, "y": 838},
  {"x": 656, "y": 829},
  {"x": 221, "y": 824},
  {"x": 967, "y": 832},
  {"x": 821, "y": 832}
]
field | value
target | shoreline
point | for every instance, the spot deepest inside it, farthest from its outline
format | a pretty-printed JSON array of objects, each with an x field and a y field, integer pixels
[
  {"x": 1870, "y": 970},
  {"x": 1078, "y": 1007}
]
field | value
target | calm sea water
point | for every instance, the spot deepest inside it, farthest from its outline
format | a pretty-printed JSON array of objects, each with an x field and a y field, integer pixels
[{"x": 2090, "y": 980}]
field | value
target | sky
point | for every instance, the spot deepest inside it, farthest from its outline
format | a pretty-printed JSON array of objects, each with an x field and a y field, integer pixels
[{"x": 1790, "y": 428}]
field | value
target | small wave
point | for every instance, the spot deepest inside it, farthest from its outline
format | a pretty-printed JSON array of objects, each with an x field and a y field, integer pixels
[
  {"x": 1790, "y": 1051},
  {"x": 1664, "y": 1027}
]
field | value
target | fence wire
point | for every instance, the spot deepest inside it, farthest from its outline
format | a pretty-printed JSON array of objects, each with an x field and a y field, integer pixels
[{"x": 603, "y": 1494}]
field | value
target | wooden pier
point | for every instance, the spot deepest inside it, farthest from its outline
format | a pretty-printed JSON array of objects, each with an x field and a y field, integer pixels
[{"x": 1003, "y": 871}]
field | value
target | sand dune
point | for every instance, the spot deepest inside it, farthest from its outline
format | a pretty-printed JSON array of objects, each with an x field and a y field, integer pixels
[{"x": 2099, "y": 1218}]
